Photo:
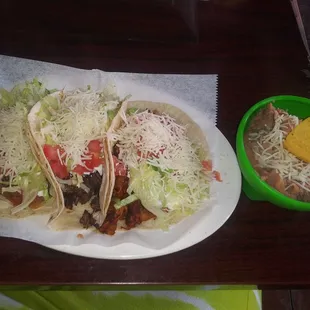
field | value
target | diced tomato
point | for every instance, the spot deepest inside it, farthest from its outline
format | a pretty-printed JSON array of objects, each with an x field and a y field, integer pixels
[
  {"x": 89, "y": 164},
  {"x": 80, "y": 169},
  {"x": 51, "y": 153},
  {"x": 59, "y": 170},
  {"x": 217, "y": 176},
  {"x": 94, "y": 146},
  {"x": 96, "y": 157},
  {"x": 119, "y": 167},
  {"x": 207, "y": 165},
  {"x": 95, "y": 161}
]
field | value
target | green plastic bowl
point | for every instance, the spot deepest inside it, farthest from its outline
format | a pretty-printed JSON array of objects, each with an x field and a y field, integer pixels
[{"x": 253, "y": 186}]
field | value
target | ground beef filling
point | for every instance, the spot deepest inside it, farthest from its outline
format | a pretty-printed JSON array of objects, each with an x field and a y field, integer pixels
[
  {"x": 74, "y": 195},
  {"x": 133, "y": 214},
  {"x": 87, "y": 220},
  {"x": 120, "y": 187},
  {"x": 89, "y": 192},
  {"x": 115, "y": 150}
]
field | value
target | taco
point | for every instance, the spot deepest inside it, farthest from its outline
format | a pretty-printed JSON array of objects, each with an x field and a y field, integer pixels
[
  {"x": 67, "y": 131},
  {"x": 24, "y": 189},
  {"x": 160, "y": 167}
]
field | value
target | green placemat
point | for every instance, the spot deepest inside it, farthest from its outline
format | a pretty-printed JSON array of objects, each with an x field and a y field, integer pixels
[{"x": 205, "y": 298}]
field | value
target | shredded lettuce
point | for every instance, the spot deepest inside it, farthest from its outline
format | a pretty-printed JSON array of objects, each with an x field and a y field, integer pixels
[
  {"x": 111, "y": 114},
  {"x": 48, "y": 108},
  {"x": 162, "y": 195},
  {"x": 111, "y": 101},
  {"x": 33, "y": 180},
  {"x": 162, "y": 172},
  {"x": 49, "y": 140},
  {"x": 175, "y": 194},
  {"x": 109, "y": 94},
  {"x": 69, "y": 164},
  {"x": 27, "y": 94},
  {"x": 125, "y": 201},
  {"x": 147, "y": 184},
  {"x": 132, "y": 111}
]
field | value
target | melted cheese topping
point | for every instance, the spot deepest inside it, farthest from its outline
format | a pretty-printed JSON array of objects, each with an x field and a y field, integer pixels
[
  {"x": 15, "y": 152},
  {"x": 271, "y": 154},
  {"x": 82, "y": 117}
]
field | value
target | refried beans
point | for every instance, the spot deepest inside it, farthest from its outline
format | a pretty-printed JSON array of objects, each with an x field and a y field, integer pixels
[{"x": 263, "y": 143}]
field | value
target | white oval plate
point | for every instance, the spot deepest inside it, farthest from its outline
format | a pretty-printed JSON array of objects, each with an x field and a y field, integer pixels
[
  {"x": 136, "y": 244},
  {"x": 204, "y": 223}
]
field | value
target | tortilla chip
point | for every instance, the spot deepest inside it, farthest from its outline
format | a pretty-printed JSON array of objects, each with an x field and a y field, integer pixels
[{"x": 297, "y": 141}]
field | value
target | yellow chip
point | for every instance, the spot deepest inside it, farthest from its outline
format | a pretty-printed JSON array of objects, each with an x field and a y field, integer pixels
[{"x": 297, "y": 141}]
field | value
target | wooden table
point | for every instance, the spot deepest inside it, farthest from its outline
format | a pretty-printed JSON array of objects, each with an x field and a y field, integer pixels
[{"x": 256, "y": 49}]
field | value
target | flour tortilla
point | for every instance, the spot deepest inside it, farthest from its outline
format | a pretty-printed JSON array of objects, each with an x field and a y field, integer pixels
[
  {"x": 194, "y": 132},
  {"x": 62, "y": 218}
]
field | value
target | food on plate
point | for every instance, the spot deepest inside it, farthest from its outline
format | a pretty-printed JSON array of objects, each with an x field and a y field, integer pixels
[
  {"x": 24, "y": 190},
  {"x": 160, "y": 167},
  {"x": 68, "y": 135},
  {"x": 271, "y": 140}
]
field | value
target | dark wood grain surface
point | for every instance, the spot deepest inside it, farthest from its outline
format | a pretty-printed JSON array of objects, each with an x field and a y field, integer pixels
[
  {"x": 278, "y": 300},
  {"x": 256, "y": 49},
  {"x": 99, "y": 21},
  {"x": 300, "y": 299}
]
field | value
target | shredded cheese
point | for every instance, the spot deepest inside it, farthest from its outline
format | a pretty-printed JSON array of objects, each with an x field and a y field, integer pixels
[
  {"x": 82, "y": 117},
  {"x": 15, "y": 153},
  {"x": 271, "y": 154}
]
